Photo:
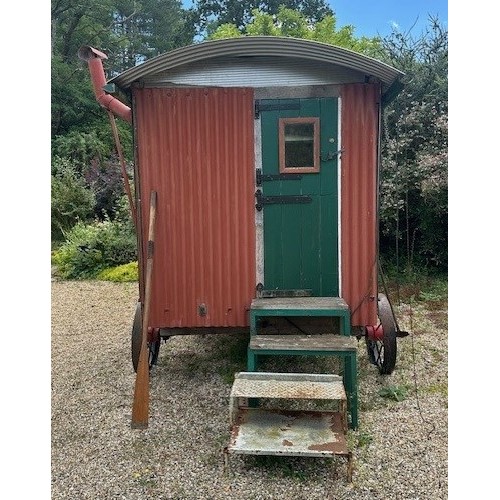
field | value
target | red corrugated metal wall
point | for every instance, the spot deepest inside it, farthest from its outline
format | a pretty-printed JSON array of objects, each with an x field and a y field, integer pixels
[
  {"x": 359, "y": 124},
  {"x": 195, "y": 147}
]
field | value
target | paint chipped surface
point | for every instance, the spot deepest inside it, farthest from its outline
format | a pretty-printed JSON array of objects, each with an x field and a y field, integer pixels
[
  {"x": 261, "y": 431},
  {"x": 332, "y": 446}
]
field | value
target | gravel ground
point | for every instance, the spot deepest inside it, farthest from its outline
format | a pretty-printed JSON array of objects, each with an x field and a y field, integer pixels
[{"x": 400, "y": 449}]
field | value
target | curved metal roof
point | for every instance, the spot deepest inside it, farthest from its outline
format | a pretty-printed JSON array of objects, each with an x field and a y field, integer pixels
[{"x": 248, "y": 46}]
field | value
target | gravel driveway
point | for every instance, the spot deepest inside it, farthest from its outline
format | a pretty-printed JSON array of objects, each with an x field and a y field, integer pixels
[{"x": 400, "y": 448}]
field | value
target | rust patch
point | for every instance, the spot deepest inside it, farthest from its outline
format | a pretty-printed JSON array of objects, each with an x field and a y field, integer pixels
[
  {"x": 336, "y": 422},
  {"x": 287, "y": 443},
  {"x": 331, "y": 446}
]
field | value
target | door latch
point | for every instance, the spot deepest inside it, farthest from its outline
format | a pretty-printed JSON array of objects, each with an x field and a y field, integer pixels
[{"x": 330, "y": 155}]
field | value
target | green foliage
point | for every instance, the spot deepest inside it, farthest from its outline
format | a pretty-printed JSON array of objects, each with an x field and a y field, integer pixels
[
  {"x": 82, "y": 148},
  {"x": 291, "y": 23},
  {"x": 91, "y": 248},
  {"x": 232, "y": 355},
  {"x": 261, "y": 24},
  {"x": 414, "y": 174},
  {"x": 396, "y": 393},
  {"x": 124, "y": 273},
  {"x": 129, "y": 32},
  {"x": 414, "y": 190},
  {"x": 436, "y": 292},
  {"x": 420, "y": 285},
  {"x": 226, "y": 30},
  {"x": 209, "y": 15},
  {"x": 71, "y": 199},
  {"x": 326, "y": 31},
  {"x": 360, "y": 439}
]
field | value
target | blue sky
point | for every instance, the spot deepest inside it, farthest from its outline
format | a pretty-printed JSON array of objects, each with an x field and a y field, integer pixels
[{"x": 376, "y": 17}]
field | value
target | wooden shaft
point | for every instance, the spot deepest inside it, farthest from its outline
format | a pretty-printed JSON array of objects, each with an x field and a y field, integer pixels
[
  {"x": 140, "y": 410},
  {"x": 126, "y": 182}
]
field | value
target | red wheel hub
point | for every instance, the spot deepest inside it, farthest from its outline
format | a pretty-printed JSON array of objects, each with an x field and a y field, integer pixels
[{"x": 375, "y": 332}]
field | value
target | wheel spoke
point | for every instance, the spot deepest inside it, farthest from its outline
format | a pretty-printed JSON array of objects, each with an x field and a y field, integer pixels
[{"x": 379, "y": 358}]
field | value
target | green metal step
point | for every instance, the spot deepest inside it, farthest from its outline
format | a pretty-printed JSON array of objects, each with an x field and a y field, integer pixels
[
  {"x": 300, "y": 306},
  {"x": 309, "y": 343}
]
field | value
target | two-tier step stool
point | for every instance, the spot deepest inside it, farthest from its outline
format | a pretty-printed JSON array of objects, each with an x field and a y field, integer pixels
[
  {"x": 342, "y": 345},
  {"x": 278, "y": 431}
]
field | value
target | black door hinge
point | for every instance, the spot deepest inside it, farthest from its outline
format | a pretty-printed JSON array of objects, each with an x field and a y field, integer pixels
[
  {"x": 259, "y": 106},
  {"x": 260, "y": 177},
  {"x": 285, "y": 199}
]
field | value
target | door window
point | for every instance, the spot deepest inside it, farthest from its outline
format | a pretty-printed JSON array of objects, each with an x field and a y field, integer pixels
[{"x": 299, "y": 145}]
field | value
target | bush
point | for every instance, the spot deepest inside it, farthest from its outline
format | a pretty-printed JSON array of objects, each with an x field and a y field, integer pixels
[
  {"x": 91, "y": 248},
  {"x": 71, "y": 199},
  {"x": 82, "y": 148},
  {"x": 105, "y": 180},
  {"x": 124, "y": 273}
]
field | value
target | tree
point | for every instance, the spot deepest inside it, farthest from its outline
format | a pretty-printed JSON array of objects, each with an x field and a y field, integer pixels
[
  {"x": 210, "y": 14},
  {"x": 414, "y": 205},
  {"x": 128, "y": 32},
  {"x": 288, "y": 22},
  {"x": 148, "y": 28}
]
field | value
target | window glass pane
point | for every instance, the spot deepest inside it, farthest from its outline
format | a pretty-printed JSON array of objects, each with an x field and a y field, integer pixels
[{"x": 299, "y": 145}]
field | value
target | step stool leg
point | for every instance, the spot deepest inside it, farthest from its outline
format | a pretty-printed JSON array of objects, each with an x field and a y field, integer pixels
[
  {"x": 226, "y": 468},
  {"x": 351, "y": 382},
  {"x": 350, "y": 467},
  {"x": 253, "y": 323},
  {"x": 251, "y": 361},
  {"x": 345, "y": 325}
]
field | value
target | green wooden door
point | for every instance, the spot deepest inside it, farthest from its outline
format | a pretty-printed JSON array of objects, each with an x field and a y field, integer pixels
[{"x": 300, "y": 137}]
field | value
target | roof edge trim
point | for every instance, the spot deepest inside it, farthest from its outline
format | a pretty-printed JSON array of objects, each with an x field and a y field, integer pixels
[{"x": 247, "y": 46}]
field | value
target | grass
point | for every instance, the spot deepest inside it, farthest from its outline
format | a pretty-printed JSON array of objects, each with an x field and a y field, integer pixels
[
  {"x": 231, "y": 355},
  {"x": 419, "y": 287},
  {"x": 394, "y": 392},
  {"x": 360, "y": 438},
  {"x": 440, "y": 388}
]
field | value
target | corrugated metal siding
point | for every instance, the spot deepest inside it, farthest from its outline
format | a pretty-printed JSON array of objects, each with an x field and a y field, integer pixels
[
  {"x": 265, "y": 71},
  {"x": 195, "y": 148},
  {"x": 359, "y": 201}
]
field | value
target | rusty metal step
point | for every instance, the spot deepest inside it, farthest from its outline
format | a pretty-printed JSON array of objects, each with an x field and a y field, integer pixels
[
  {"x": 288, "y": 432},
  {"x": 287, "y": 386}
]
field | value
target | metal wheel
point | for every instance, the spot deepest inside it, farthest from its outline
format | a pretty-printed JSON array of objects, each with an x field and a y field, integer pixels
[
  {"x": 153, "y": 347},
  {"x": 382, "y": 352}
]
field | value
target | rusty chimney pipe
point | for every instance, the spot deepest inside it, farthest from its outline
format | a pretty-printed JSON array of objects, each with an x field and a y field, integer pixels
[{"x": 94, "y": 59}]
